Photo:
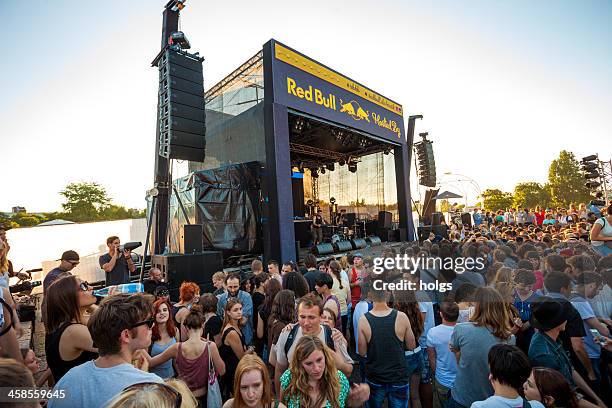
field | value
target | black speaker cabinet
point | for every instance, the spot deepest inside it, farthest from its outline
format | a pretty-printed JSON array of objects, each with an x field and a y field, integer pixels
[
  {"x": 351, "y": 218},
  {"x": 401, "y": 234},
  {"x": 436, "y": 218},
  {"x": 358, "y": 243},
  {"x": 198, "y": 268},
  {"x": 373, "y": 241},
  {"x": 441, "y": 230},
  {"x": 190, "y": 240},
  {"x": 385, "y": 218},
  {"x": 466, "y": 219},
  {"x": 424, "y": 233}
]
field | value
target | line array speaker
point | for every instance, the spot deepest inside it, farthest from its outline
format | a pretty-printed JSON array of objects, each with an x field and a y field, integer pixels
[{"x": 182, "y": 117}]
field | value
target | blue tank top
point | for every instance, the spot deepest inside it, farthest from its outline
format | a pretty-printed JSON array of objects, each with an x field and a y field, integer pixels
[{"x": 164, "y": 370}]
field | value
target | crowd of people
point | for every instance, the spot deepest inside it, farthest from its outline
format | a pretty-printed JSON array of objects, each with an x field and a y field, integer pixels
[{"x": 531, "y": 328}]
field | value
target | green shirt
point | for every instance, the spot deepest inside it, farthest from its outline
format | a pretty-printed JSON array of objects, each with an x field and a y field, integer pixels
[
  {"x": 294, "y": 400},
  {"x": 545, "y": 352}
]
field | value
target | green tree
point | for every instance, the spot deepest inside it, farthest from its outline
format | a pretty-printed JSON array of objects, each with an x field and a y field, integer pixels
[
  {"x": 84, "y": 201},
  {"x": 566, "y": 181},
  {"x": 531, "y": 194},
  {"x": 494, "y": 199}
]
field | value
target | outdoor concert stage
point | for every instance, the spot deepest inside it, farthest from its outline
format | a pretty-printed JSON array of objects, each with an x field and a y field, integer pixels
[{"x": 285, "y": 136}]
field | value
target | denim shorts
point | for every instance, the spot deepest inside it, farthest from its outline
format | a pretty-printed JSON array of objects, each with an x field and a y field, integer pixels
[{"x": 414, "y": 362}]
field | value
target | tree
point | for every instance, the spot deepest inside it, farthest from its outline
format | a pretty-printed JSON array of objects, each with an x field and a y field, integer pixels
[
  {"x": 530, "y": 195},
  {"x": 566, "y": 181},
  {"x": 84, "y": 201},
  {"x": 494, "y": 199}
]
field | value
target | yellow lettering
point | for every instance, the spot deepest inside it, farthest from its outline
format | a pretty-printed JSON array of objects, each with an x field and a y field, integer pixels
[
  {"x": 308, "y": 94},
  {"x": 300, "y": 93},
  {"x": 291, "y": 86},
  {"x": 318, "y": 97}
]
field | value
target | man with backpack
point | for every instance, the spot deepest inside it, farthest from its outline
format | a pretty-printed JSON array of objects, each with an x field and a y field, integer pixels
[{"x": 310, "y": 309}]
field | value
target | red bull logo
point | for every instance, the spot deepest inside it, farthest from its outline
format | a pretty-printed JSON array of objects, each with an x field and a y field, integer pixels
[
  {"x": 354, "y": 110},
  {"x": 311, "y": 94}
]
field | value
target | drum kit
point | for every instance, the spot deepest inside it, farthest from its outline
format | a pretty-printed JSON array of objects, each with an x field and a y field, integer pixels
[{"x": 336, "y": 233}]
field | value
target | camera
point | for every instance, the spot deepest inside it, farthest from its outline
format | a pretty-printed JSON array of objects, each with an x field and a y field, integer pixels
[{"x": 129, "y": 246}]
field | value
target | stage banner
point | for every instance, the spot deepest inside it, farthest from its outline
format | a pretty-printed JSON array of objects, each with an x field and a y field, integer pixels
[{"x": 305, "y": 85}]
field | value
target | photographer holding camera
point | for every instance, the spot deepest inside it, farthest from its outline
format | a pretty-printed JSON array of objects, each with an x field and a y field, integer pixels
[{"x": 117, "y": 263}]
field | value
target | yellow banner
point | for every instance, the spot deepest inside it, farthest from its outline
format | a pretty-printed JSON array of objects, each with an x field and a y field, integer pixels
[{"x": 307, "y": 65}]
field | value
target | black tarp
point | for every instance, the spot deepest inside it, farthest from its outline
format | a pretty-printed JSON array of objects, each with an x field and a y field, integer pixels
[{"x": 226, "y": 202}]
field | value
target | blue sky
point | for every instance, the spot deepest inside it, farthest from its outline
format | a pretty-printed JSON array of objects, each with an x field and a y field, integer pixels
[{"x": 503, "y": 86}]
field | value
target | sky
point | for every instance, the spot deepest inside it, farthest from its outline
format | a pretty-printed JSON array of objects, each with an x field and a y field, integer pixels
[{"x": 503, "y": 86}]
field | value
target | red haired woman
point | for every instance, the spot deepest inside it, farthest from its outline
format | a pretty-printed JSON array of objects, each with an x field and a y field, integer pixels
[
  {"x": 162, "y": 337},
  {"x": 189, "y": 294}
]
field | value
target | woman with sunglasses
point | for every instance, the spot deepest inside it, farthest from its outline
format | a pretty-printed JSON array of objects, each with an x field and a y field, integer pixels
[
  {"x": 162, "y": 337},
  {"x": 192, "y": 356},
  {"x": 252, "y": 387},
  {"x": 68, "y": 342}
]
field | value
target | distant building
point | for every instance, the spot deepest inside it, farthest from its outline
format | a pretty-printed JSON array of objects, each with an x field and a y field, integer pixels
[{"x": 18, "y": 209}]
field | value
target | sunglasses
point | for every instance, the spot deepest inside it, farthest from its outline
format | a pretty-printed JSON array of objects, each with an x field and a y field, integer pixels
[
  {"x": 178, "y": 398},
  {"x": 84, "y": 286},
  {"x": 73, "y": 263},
  {"x": 149, "y": 322}
]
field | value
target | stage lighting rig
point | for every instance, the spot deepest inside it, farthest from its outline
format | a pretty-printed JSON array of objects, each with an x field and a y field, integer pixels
[
  {"x": 314, "y": 173},
  {"x": 331, "y": 167},
  {"x": 322, "y": 170}
]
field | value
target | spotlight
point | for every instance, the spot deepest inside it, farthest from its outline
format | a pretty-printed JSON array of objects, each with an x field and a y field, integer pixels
[
  {"x": 342, "y": 162},
  {"x": 352, "y": 167},
  {"x": 363, "y": 142},
  {"x": 592, "y": 184},
  {"x": 332, "y": 200},
  {"x": 314, "y": 173},
  {"x": 310, "y": 203},
  {"x": 331, "y": 167},
  {"x": 322, "y": 170},
  {"x": 299, "y": 125}
]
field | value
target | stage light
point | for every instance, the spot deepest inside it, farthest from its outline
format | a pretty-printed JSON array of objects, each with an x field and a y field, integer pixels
[
  {"x": 363, "y": 142},
  {"x": 352, "y": 167},
  {"x": 299, "y": 125},
  {"x": 310, "y": 203},
  {"x": 314, "y": 173},
  {"x": 331, "y": 167},
  {"x": 387, "y": 151},
  {"x": 592, "y": 184},
  {"x": 332, "y": 200},
  {"x": 342, "y": 162},
  {"x": 589, "y": 158},
  {"x": 322, "y": 170}
]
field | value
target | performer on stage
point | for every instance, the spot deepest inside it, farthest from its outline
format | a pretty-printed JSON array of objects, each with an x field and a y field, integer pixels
[
  {"x": 317, "y": 227},
  {"x": 341, "y": 218}
]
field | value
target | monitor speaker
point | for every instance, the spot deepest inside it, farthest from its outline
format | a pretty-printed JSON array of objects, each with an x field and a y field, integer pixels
[
  {"x": 182, "y": 116},
  {"x": 373, "y": 241},
  {"x": 351, "y": 218},
  {"x": 441, "y": 230},
  {"x": 343, "y": 246},
  {"x": 424, "y": 232},
  {"x": 198, "y": 268},
  {"x": 358, "y": 243},
  {"x": 324, "y": 249},
  {"x": 190, "y": 238}
]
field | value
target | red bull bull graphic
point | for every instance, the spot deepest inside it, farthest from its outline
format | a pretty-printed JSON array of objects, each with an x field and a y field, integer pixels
[{"x": 305, "y": 85}]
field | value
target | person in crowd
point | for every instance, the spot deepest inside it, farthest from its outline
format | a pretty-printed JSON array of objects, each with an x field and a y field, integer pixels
[
  {"x": 464, "y": 297},
  {"x": 557, "y": 285},
  {"x": 524, "y": 295},
  {"x": 405, "y": 301},
  {"x": 218, "y": 280},
  {"x": 587, "y": 286},
  {"x": 601, "y": 233},
  {"x": 189, "y": 294},
  {"x": 288, "y": 266},
  {"x": 341, "y": 290},
  {"x": 9, "y": 345},
  {"x": 33, "y": 364},
  {"x": 602, "y": 302},
  {"x": 121, "y": 329},
  {"x": 282, "y": 314},
  {"x": 295, "y": 281},
  {"x": 271, "y": 288},
  {"x": 232, "y": 285},
  {"x": 442, "y": 362},
  {"x": 258, "y": 296},
  {"x": 116, "y": 264},
  {"x": 192, "y": 356},
  {"x": 246, "y": 284},
  {"x": 509, "y": 368},
  {"x": 309, "y": 310},
  {"x": 69, "y": 260},
  {"x": 328, "y": 317},
  {"x": 356, "y": 277},
  {"x": 546, "y": 349},
  {"x": 172, "y": 394},
  {"x": 212, "y": 322},
  {"x": 163, "y": 335},
  {"x": 472, "y": 340},
  {"x": 233, "y": 346},
  {"x": 154, "y": 281},
  {"x": 14, "y": 375},
  {"x": 256, "y": 267},
  {"x": 274, "y": 271},
  {"x": 323, "y": 285},
  {"x": 550, "y": 388},
  {"x": 310, "y": 262},
  {"x": 312, "y": 379},
  {"x": 384, "y": 334},
  {"x": 252, "y": 387},
  {"x": 68, "y": 342}
]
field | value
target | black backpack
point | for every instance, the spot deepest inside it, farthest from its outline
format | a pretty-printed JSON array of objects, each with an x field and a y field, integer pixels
[{"x": 329, "y": 341}]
